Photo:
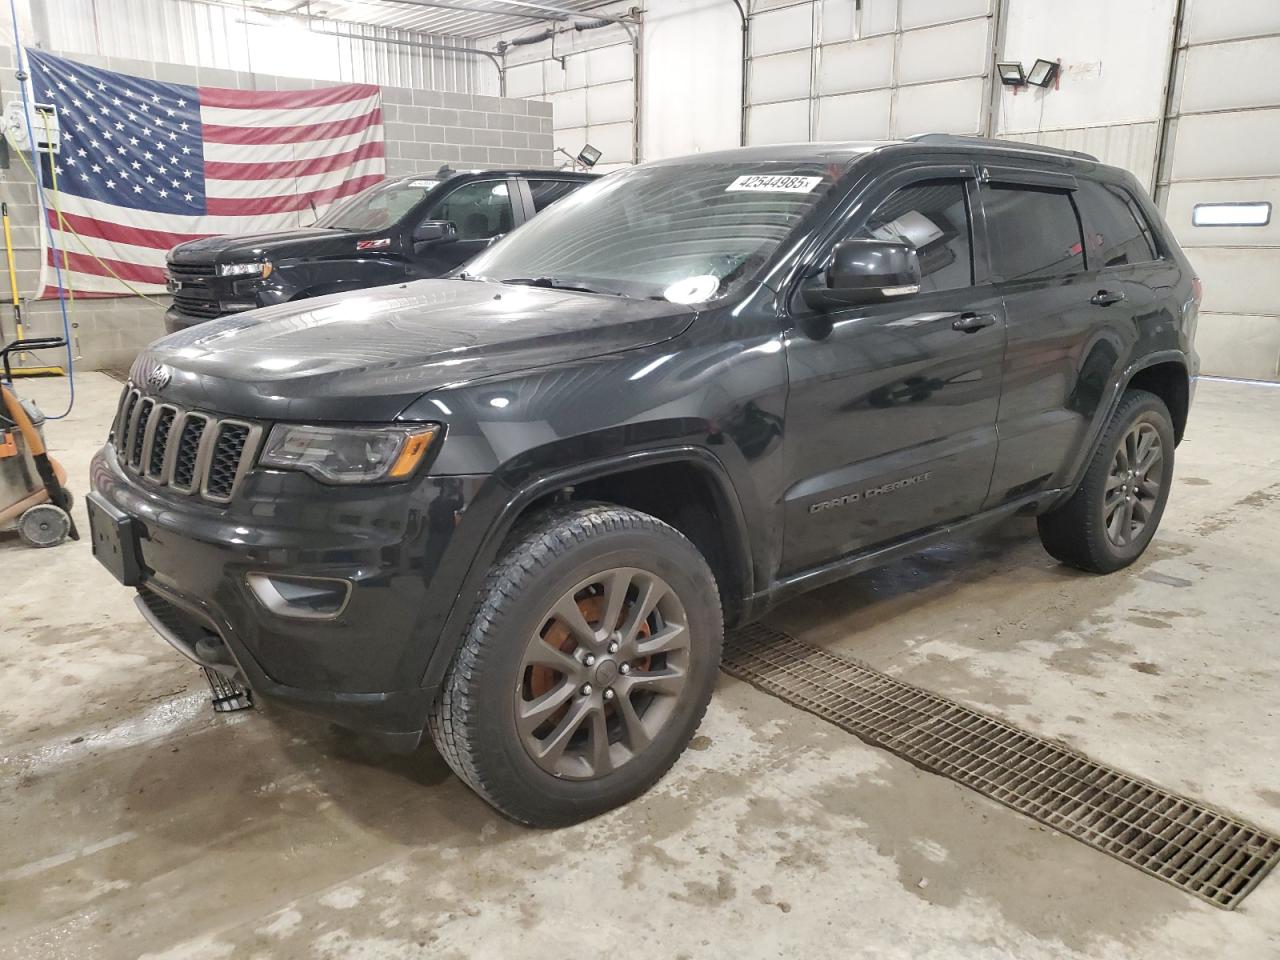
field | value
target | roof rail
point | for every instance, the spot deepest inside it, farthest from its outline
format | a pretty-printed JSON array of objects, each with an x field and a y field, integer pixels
[{"x": 956, "y": 140}]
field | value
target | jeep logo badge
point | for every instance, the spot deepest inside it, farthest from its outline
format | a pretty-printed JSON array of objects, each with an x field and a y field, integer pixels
[{"x": 158, "y": 377}]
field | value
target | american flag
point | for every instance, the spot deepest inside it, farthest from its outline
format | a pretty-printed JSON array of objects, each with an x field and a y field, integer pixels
[{"x": 145, "y": 165}]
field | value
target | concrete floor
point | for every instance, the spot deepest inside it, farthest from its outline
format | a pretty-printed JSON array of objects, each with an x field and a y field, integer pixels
[{"x": 135, "y": 822}]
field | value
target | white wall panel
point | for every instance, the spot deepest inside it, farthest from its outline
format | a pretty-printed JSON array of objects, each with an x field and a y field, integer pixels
[
  {"x": 525, "y": 80},
  {"x": 779, "y": 122},
  {"x": 1211, "y": 20},
  {"x": 1184, "y": 196},
  {"x": 855, "y": 116},
  {"x": 1239, "y": 346},
  {"x": 608, "y": 64},
  {"x": 951, "y": 107},
  {"x": 570, "y": 107},
  {"x": 225, "y": 37},
  {"x": 1222, "y": 76},
  {"x": 790, "y": 28},
  {"x": 610, "y": 103},
  {"x": 613, "y": 140},
  {"x": 851, "y": 20},
  {"x": 944, "y": 53},
  {"x": 860, "y": 65},
  {"x": 783, "y": 76},
  {"x": 692, "y": 77},
  {"x": 1234, "y": 282},
  {"x": 1214, "y": 145},
  {"x": 922, "y": 13}
]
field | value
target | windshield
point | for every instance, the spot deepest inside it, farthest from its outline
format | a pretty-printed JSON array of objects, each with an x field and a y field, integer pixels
[
  {"x": 380, "y": 206},
  {"x": 681, "y": 232}
]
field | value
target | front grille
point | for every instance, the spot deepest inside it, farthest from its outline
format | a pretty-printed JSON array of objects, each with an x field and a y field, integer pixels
[
  {"x": 190, "y": 271},
  {"x": 197, "y": 307},
  {"x": 188, "y": 451},
  {"x": 225, "y": 463}
]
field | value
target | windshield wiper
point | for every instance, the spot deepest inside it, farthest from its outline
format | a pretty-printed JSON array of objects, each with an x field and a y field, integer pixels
[{"x": 555, "y": 284}]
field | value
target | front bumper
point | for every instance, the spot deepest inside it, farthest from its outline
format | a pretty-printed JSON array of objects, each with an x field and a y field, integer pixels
[{"x": 363, "y": 667}]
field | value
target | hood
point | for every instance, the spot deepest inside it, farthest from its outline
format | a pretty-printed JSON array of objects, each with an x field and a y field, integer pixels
[
  {"x": 303, "y": 242},
  {"x": 365, "y": 356}
]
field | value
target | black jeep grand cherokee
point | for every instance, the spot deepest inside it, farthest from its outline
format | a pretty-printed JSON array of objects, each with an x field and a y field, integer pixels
[
  {"x": 402, "y": 229},
  {"x": 518, "y": 507}
]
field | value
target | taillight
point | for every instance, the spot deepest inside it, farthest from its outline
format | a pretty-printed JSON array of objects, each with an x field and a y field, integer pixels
[{"x": 1197, "y": 291}]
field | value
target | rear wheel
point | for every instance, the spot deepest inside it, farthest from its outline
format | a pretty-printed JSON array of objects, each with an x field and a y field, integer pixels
[
  {"x": 586, "y": 668},
  {"x": 1115, "y": 511}
]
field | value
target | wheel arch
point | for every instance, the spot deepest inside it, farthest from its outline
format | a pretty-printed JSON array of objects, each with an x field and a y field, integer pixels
[
  {"x": 1165, "y": 373},
  {"x": 626, "y": 480}
]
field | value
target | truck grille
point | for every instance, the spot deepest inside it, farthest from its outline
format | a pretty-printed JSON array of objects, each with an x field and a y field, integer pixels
[
  {"x": 197, "y": 307},
  {"x": 185, "y": 450},
  {"x": 190, "y": 271}
]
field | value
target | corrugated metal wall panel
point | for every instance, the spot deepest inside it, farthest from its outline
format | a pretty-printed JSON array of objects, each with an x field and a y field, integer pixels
[{"x": 225, "y": 38}]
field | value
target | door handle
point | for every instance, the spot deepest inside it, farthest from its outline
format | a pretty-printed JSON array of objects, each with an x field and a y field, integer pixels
[
  {"x": 1105, "y": 298},
  {"x": 971, "y": 322}
]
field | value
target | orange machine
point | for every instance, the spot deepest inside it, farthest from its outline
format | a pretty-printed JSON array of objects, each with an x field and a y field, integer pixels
[{"x": 33, "y": 497}]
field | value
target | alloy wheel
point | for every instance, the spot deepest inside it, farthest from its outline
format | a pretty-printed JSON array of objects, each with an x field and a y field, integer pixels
[
  {"x": 1133, "y": 484},
  {"x": 602, "y": 674}
]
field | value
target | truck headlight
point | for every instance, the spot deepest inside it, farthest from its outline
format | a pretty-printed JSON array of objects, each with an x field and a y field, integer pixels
[
  {"x": 261, "y": 269},
  {"x": 349, "y": 454}
]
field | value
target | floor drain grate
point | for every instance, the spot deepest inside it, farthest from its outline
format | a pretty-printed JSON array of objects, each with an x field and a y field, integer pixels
[{"x": 1200, "y": 850}]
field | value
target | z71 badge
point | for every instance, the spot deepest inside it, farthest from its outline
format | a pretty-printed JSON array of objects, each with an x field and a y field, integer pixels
[{"x": 378, "y": 244}]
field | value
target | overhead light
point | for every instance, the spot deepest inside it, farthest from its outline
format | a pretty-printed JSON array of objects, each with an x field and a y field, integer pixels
[
  {"x": 1231, "y": 214},
  {"x": 1042, "y": 73},
  {"x": 588, "y": 156},
  {"x": 1011, "y": 74}
]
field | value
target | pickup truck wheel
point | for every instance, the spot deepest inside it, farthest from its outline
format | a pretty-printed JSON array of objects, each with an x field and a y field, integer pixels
[
  {"x": 587, "y": 666},
  {"x": 1113, "y": 514}
]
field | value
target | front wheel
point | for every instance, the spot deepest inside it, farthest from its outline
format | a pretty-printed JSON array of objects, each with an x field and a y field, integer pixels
[
  {"x": 587, "y": 666},
  {"x": 1115, "y": 511}
]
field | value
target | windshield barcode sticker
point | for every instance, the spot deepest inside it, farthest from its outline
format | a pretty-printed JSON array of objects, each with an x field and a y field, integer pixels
[{"x": 774, "y": 183}]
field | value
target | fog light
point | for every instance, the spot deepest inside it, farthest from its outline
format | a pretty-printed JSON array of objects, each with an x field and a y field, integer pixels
[{"x": 306, "y": 598}]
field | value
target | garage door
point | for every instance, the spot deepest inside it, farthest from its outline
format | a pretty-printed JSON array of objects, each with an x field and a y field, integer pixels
[
  {"x": 866, "y": 69},
  {"x": 1222, "y": 171}
]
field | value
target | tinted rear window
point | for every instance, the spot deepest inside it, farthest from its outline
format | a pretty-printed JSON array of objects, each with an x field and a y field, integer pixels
[
  {"x": 1033, "y": 232},
  {"x": 1117, "y": 232}
]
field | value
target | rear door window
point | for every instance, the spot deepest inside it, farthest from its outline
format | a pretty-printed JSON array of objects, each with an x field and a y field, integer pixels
[
  {"x": 1117, "y": 233},
  {"x": 480, "y": 210},
  {"x": 547, "y": 192},
  {"x": 1034, "y": 232}
]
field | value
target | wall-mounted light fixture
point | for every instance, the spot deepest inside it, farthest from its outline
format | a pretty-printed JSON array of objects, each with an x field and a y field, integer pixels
[
  {"x": 1011, "y": 74},
  {"x": 589, "y": 156},
  {"x": 1042, "y": 73}
]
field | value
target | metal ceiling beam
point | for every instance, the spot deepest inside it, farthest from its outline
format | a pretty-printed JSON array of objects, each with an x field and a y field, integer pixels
[
  {"x": 462, "y": 7},
  {"x": 546, "y": 11}
]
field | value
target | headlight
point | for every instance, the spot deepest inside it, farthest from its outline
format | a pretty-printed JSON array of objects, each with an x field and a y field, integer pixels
[
  {"x": 244, "y": 269},
  {"x": 349, "y": 454}
]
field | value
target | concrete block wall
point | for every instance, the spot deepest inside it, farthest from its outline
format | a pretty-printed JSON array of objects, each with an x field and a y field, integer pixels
[
  {"x": 422, "y": 129},
  {"x": 425, "y": 128}
]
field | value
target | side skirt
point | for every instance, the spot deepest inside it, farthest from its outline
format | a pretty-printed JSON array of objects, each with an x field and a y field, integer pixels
[{"x": 847, "y": 566}]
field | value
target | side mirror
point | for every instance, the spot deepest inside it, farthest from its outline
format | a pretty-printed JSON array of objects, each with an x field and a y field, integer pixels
[
  {"x": 435, "y": 231},
  {"x": 865, "y": 272}
]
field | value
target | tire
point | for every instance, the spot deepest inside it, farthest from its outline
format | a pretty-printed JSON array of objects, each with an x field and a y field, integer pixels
[
  {"x": 1085, "y": 532},
  {"x": 628, "y": 714},
  {"x": 44, "y": 525}
]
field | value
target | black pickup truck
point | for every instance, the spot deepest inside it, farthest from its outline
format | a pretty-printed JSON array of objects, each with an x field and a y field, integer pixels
[
  {"x": 407, "y": 228},
  {"x": 516, "y": 507}
]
